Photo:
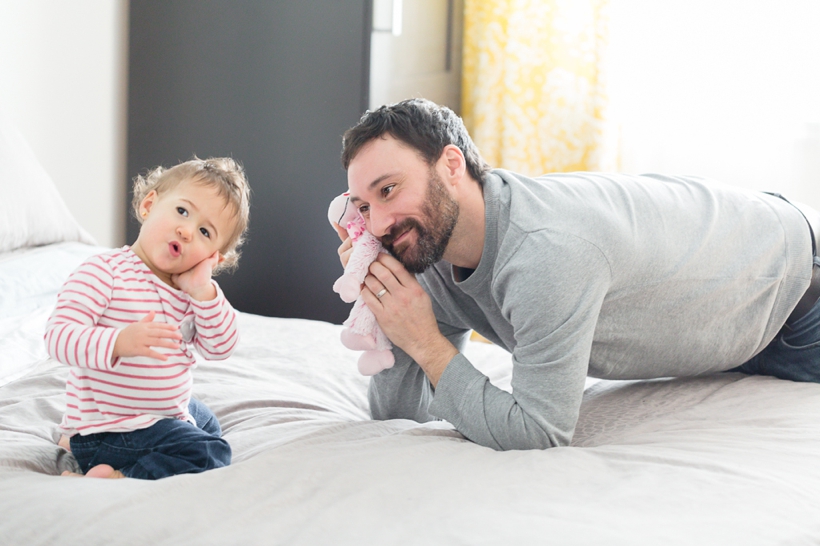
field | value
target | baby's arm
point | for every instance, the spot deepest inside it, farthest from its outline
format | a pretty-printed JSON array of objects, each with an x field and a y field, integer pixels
[
  {"x": 216, "y": 329},
  {"x": 72, "y": 335},
  {"x": 215, "y": 334}
]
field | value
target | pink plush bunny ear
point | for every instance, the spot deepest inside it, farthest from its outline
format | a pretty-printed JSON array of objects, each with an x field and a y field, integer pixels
[{"x": 341, "y": 210}]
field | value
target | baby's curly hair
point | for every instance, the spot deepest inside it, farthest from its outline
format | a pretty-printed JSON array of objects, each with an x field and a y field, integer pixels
[{"x": 222, "y": 173}]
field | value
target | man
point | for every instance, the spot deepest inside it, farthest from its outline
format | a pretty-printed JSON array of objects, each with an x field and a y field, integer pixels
[{"x": 612, "y": 276}]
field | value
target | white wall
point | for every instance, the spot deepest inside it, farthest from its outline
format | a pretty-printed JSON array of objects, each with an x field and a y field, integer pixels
[
  {"x": 414, "y": 62},
  {"x": 723, "y": 88},
  {"x": 63, "y": 72}
]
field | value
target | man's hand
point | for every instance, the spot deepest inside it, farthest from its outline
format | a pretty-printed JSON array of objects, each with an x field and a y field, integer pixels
[
  {"x": 346, "y": 248},
  {"x": 405, "y": 314},
  {"x": 137, "y": 339},
  {"x": 196, "y": 282}
]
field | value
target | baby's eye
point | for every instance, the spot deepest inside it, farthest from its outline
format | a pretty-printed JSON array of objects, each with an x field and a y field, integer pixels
[
  {"x": 182, "y": 211},
  {"x": 204, "y": 232}
]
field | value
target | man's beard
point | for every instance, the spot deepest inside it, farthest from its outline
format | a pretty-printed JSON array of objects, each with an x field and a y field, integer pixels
[{"x": 440, "y": 211}]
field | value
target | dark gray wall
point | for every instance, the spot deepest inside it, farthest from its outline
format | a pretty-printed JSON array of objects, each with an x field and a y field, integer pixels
[{"x": 273, "y": 84}]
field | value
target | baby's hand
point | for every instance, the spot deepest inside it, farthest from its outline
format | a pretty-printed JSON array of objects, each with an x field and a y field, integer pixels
[
  {"x": 196, "y": 282},
  {"x": 137, "y": 338}
]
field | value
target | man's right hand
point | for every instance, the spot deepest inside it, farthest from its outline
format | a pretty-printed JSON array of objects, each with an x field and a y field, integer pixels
[
  {"x": 137, "y": 338},
  {"x": 346, "y": 248}
]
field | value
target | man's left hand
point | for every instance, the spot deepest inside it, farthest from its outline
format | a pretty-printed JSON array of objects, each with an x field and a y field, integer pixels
[{"x": 405, "y": 313}]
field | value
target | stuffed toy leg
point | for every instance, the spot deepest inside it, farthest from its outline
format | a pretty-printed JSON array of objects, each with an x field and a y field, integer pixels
[{"x": 361, "y": 332}]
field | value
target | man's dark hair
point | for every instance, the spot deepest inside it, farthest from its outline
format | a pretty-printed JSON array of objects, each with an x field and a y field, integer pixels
[{"x": 421, "y": 124}]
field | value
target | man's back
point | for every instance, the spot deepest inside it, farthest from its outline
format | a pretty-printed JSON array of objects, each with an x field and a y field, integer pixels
[{"x": 699, "y": 276}]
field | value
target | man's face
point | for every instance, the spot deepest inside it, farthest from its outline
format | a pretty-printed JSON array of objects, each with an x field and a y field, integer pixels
[{"x": 404, "y": 202}]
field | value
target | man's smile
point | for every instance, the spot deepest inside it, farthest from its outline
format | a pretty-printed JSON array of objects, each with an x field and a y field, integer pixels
[
  {"x": 397, "y": 234},
  {"x": 401, "y": 237}
]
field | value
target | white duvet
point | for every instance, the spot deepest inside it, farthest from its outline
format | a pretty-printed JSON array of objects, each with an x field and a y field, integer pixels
[{"x": 723, "y": 459}]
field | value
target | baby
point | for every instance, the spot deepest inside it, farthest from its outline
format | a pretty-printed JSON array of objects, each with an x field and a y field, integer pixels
[{"x": 126, "y": 321}]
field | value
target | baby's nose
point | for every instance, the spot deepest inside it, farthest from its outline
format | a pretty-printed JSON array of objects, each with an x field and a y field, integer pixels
[{"x": 184, "y": 233}]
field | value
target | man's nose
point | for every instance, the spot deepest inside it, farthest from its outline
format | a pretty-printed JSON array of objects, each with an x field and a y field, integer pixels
[{"x": 381, "y": 222}]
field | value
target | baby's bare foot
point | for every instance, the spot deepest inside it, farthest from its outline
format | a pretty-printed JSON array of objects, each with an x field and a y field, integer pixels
[
  {"x": 104, "y": 471},
  {"x": 99, "y": 471},
  {"x": 65, "y": 443}
]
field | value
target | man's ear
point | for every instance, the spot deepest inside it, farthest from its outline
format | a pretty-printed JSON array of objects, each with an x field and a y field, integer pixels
[
  {"x": 148, "y": 202},
  {"x": 454, "y": 163}
]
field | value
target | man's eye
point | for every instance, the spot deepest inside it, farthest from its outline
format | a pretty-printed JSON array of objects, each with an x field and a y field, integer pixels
[
  {"x": 205, "y": 232},
  {"x": 182, "y": 211},
  {"x": 388, "y": 189},
  {"x": 364, "y": 209}
]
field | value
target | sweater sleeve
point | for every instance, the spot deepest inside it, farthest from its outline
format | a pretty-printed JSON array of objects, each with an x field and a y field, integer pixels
[
  {"x": 552, "y": 305},
  {"x": 72, "y": 335},
  {"x": 403, "y": 391},
  {"x": 216, "y": 326}
]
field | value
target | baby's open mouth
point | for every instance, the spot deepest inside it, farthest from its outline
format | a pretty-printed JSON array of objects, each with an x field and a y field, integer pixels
[{"x": 175, "y": 249}]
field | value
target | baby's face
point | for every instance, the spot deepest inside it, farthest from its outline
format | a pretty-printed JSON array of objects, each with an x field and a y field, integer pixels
[{"x": 182, "y": 227}]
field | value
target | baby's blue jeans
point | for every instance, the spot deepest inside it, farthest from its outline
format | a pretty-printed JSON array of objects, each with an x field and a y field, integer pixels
[
  {"x": 166, "y": 448},
  {"x": 794, "y": 353}
]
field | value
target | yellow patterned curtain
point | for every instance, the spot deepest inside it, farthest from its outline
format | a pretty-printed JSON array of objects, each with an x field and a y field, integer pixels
[{"x": 533, "y": 93}]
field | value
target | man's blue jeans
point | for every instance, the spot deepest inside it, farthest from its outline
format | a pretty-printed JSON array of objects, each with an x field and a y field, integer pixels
[
  {"x": 793, "y": 354},
  {"x": 166, "y": 448}
]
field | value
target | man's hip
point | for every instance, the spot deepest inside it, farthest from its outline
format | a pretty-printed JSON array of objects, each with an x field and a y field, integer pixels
[{"x": 812, "y": 294}]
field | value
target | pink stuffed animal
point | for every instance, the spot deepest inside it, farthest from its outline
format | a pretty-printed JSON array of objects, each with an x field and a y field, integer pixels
[{"x": 362, "y": 332}]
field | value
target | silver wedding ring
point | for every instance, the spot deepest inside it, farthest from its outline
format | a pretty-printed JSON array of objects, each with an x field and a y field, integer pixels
[{"x": 381, "y": 293}]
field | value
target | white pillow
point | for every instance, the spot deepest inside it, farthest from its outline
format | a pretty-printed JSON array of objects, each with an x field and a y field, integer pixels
[{"x": 32, "y": 212}]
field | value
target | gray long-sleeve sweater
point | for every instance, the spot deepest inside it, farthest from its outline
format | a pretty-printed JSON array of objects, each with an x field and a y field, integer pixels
[{"x": 612, "y": 276}]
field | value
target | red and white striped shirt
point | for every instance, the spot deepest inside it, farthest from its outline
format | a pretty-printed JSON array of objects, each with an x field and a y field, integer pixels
[{"x": 100, "y": 298}]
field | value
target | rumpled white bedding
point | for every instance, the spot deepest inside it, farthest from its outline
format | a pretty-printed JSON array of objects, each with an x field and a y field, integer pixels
[
  {"x": 29, "y": 281},
  {"x": 724, "y": 459}
]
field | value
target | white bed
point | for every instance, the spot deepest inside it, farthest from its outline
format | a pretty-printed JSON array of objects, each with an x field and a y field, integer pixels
[{"x": 724, "y": 459}]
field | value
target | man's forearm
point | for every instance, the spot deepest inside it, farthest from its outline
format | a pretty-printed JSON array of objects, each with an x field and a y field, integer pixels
[{"x": 433, "y": 356}]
